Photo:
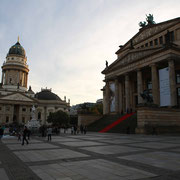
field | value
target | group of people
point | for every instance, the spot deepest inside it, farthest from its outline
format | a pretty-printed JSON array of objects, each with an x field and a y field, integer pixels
[
  {"x": 24, "y": 134},
  {"x": 76, "y": 129}
]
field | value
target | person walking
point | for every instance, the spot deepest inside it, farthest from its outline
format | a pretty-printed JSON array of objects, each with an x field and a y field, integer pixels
[
  {"x": 1, "y": 132},
  {"x": 49, "y": 133},
  {"x": 25, "y": 132}
]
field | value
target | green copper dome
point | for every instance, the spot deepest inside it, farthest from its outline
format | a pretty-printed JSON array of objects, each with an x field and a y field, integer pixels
[{"x": 17, "y": 49}]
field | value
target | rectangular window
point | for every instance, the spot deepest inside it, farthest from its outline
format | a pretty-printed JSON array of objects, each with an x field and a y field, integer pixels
[
  {"x": 161, "y": 40},
  {"x": 156, "y": 42},
  {"x": 149, "y": 85},
  {"x": 7, "y": 108},
  {"x": 151, "y": 43},
  {"x": 7, "y": 119},
  {"x": 23, "y": 119},
  {"x": 146, "y": 44},
  {"x": 24, "y": 109},
  {"x": 178, "y": 77},
  {"x": 172, "y": 36}
]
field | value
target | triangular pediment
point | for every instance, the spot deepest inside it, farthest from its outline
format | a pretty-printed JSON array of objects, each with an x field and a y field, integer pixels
[
  {"x": 130, "y": 57},
  {"x": 149, "y": 31},
  {"x": 17, "y": 97}
]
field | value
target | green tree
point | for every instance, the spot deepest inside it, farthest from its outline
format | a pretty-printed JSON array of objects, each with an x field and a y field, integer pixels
[
  {"x": 58, "y": 118},
  {"x": 97, "y": 109}
]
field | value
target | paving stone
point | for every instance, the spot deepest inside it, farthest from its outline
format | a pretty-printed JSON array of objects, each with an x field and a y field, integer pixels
[
  {"x": 3, "y": 174},
  {"x": 112, "y": 149},
  {"x": 82, "y": 143},
  {"x": 92, "y": 156},
  {"x": 166, "y": 160},
  {"x": 31, "y": 146},
  {"x": 92, "y": 169},
  {"x": 155, "y": 145},
  {"x": 44, "y": 155}
]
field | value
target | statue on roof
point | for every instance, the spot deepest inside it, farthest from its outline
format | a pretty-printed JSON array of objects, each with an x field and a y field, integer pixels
[
  {"x": 150, "y": 19},
  {"x": 106, "y": 63},
  {"x": 142, "y": 24}
]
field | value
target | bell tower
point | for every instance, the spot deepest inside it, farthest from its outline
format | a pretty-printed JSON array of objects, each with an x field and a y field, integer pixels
[{"x": 15, "y": 69}]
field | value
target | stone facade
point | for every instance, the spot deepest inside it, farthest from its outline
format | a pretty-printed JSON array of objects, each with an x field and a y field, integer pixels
[
  {"x": 86, "y": 119},
  {"x": 137, "y": 68},
  {"x": 16, "y": 100}
]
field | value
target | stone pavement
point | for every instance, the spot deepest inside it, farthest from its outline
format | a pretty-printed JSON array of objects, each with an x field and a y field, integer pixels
[{"x": 94, "y": 156}]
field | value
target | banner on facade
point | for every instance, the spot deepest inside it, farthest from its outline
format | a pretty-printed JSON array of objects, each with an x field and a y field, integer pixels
[
  {"x": 112, "y": 97},
  {"x": 164, "y": 85}
]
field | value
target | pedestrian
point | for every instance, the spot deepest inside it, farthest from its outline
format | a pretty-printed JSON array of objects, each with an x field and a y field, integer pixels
[
  {"x": 28, "y": 134},
  {"x": 25, "y": 132},
  {"x": 19, "y": 134},
  {"x": 85, "y": 129},
  {"x": 72, "y": 130},
  {"x": 49, "y": 133},
  {"x": 1, "y": 132},
  {"x": 81, "y": 128}
]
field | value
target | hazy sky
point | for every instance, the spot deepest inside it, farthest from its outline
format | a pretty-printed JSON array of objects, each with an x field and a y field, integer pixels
[{"x": 68, "y": 41}]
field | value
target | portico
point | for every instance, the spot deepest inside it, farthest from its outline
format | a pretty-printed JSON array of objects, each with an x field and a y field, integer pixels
[{"x": 148, "y": 61}]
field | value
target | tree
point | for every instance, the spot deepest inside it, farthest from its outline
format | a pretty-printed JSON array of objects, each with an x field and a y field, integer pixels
[
  {"x": 58, "y": 118},
  {"x": 97, "y": 109}
]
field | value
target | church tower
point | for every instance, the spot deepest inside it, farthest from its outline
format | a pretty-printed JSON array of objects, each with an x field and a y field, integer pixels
[{"x": 15, "y": 69}]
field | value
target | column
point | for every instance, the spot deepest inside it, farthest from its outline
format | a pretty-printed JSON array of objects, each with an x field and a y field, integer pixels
[
  {"x": 2, "y": 79},
  {"x": 155, "y": 84},
  {"x": 127, "y": 92},
  {"x": 120, "y": 97},
  {"x": 26, "y": 79},
  {"x": 172, "y": 82},
  {"x": 116, "y": 95},
  {"x": 107, "y": 97},
  {"x": 104, "y": 100},
  {"x": 139, "y": 86},
  {"x": 45, "y": 115}
]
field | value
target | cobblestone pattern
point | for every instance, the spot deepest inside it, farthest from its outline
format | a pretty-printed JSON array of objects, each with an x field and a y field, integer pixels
[{"x": 92, "y": 156}]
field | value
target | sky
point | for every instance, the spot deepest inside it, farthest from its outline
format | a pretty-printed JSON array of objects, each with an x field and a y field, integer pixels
[{"x": 67, "y": 42}]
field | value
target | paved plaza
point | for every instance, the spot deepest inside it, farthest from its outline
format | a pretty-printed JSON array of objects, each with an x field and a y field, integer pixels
[{"x": 94, "y": 156}]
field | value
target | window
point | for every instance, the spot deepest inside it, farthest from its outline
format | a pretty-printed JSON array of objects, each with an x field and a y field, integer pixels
[
  {"x": 7, "y": 119},
  {"x": 23, "y": 119},
  {"x": 149, "y": 85},
  {"x": 161, "y": 40},
  {"x": 156, "y": 42},
  {"x": 146, "y": 44},
  {"x": 178, "y": 96},
  {"x": 178, "y": 77},
  {"x": 7, "y": 108},
  {"x": 172, "y": 36},
  {"x": 24, "y": 109},
  {"x": 142, "y": 46},
  {"x": 0, "y": 108},
  {"x": 151, "y": 43}
]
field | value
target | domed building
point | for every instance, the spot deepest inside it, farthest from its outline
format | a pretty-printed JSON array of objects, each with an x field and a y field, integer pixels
[{"x": 16, "y": 100}]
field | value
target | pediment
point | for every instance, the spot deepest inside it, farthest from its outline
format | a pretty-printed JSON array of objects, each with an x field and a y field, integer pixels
[
  {"x": 17, "y": 97},
  {"x": 131, "y": 57},
  {"x": 149, "y": 31},
  {"x": 157, "y": 28}
]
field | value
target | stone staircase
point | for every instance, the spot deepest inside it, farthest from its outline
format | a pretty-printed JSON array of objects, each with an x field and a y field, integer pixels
[{"x": 127, "y": 125}]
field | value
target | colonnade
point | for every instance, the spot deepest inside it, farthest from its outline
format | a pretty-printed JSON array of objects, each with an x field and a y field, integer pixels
[
  {"x": 123, "y": 93},
  {"x": 22, "y": 78}
]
